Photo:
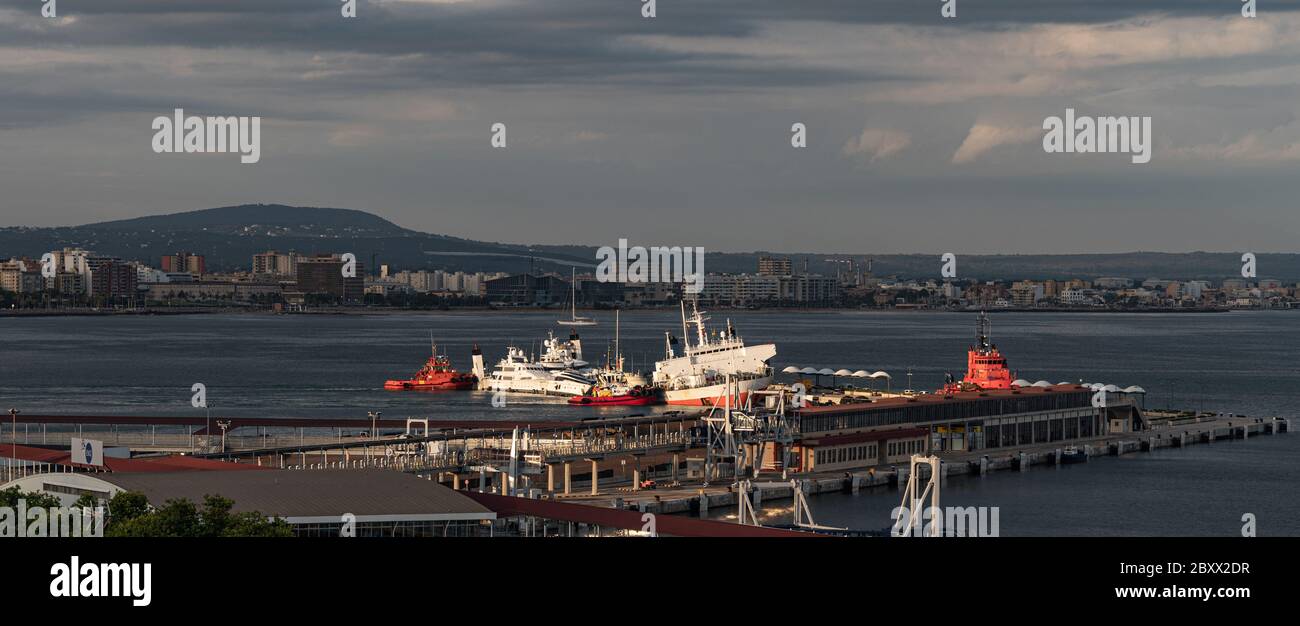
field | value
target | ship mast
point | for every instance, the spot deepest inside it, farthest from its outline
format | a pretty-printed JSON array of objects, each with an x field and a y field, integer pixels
[
  {"x": 982, "y": 327},
  {"x": 686, "y": 339}
]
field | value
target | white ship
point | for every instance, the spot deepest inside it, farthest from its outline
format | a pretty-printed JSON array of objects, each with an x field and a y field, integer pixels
[
  {"x": 519, "y": 373},
  {"x": 561, "y": 355},
  {"x": 698, "y": 376}
]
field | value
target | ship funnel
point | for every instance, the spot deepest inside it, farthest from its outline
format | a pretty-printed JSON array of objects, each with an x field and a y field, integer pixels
[
  {"x": 476, "y": 358},
  {"x": 575, "y": 343}
]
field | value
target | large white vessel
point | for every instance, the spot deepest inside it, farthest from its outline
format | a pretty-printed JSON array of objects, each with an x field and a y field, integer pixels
[
  {"x": 561, "y": 355},
  {"x": 698, "y": 376},
  {"x": 519, "y": 373}
]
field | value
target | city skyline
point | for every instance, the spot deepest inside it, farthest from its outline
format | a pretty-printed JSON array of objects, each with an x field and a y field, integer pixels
[{"x": 923, "y": 133}]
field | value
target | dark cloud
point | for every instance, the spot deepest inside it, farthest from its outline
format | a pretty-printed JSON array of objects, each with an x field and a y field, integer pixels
[{"x": 616, "y": 130}]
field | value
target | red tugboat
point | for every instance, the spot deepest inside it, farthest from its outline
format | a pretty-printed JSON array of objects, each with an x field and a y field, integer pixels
[
  {"x": 615, "y": 387},
  {"x": 437, "y": 374},
  {"x": 986, "y": 368}
]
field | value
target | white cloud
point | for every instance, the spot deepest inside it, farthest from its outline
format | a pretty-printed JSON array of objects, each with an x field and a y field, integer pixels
[
  {"x": 877, "y": 143},
  {"x": 985, "y": 137}
]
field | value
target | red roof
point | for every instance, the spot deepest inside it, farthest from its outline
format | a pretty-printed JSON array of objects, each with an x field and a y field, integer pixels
[
  {"x": 665, "y": 524},
  {"x": 170, "y": 463}
]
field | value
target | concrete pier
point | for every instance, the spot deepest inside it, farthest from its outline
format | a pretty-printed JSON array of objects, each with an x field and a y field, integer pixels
[{"x": 689, "y": 499}]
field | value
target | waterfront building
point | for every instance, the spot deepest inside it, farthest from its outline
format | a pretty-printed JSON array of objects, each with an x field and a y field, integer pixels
[
  {"x": 278, "y": 264},
  {"x": 21, "y": 276},
  {"x": 317, "y": 503},
  {"x": 775, "y": 266},
  {"x": 747, "y": 289},
  {"x": 184, "y": 262},
  {"x": 889, "y": 430},
  {"x": 210, "y": 290},
  {"x": 527, "y": 290},
  {"x": 110, "y": 277},
  {"x": 323, "y": 275},
  {"x": 1113, "y": 283},
  {"x": 1026, "y": 293}
]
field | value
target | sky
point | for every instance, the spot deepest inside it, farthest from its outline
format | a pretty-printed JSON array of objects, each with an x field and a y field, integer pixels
[{"x": 923, "y": 133}]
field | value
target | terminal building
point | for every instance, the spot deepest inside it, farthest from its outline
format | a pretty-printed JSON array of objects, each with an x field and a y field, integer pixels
[
  {"x": 314, "y": 503},
  {"x": 889, "y": 430}
]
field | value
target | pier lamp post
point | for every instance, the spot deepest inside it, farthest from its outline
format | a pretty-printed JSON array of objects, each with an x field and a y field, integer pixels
[
  {"x": 13, "y": 457},
  {"x": 223, "y": 425},
  {"x": 374, "y": 423}
]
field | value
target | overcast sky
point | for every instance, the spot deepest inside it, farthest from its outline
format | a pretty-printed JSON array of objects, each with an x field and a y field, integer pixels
[{"x": 924, "y": 134}]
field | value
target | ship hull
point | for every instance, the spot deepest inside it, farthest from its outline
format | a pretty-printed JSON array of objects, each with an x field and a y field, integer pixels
[
  {"x": 411, "y": 385},
  {"x": 614, "y": 400},
  {"x": 715, "y": 395},
  {"x": 540, "y": 387}
]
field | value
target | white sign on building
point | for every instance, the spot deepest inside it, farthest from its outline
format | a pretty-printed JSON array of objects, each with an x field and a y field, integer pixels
[{"x": 87, "y": 452}]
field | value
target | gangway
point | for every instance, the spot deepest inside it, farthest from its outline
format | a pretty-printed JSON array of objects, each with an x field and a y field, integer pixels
[{"x": 911, "y": 505}]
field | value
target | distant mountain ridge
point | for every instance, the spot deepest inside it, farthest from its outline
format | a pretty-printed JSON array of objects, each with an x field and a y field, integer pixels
[
  {"x": 230, "y": 236},
  {"x": 245, "y": 218}
]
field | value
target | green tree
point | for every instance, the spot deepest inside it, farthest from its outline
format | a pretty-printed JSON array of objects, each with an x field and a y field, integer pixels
[
  {"x": 10, "y": 497},
  {"x": 130, "y": 517}
]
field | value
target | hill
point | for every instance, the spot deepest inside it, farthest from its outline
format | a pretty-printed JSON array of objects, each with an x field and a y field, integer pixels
[{"x": 229, "y": 236}]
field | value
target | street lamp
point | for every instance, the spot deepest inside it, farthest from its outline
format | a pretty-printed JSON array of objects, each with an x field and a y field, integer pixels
[
  {"x": 13, "y": 457},
  {"x": 374, "y": 423},
  {"x": 223, "y": 424}
]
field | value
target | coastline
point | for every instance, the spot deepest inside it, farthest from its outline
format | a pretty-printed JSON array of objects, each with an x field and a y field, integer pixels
[{"x": 20, "y": 313}]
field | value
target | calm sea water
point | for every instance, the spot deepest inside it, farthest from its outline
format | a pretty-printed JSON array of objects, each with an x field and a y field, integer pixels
[{"x": 335, "y": 366}]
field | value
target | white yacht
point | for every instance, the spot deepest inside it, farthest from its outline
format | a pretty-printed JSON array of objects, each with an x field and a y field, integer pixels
[
  {"x": 519, "y": 373},
  {"x": 698, "y": 376}
]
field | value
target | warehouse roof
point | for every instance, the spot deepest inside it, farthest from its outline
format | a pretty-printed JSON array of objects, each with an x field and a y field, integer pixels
[{"x": 299, "y": 495}]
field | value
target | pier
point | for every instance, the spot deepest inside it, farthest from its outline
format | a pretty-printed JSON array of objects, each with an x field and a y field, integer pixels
[{"x": 649, "y": 464}]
